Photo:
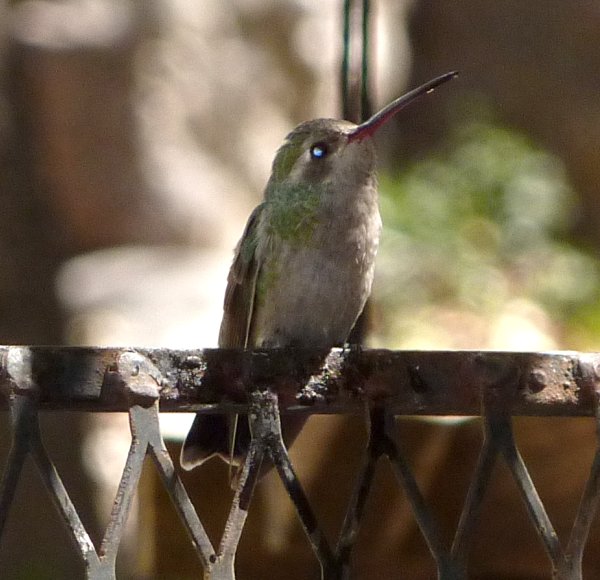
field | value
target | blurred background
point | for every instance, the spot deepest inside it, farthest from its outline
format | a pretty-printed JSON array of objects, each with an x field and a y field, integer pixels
[{"x": 136, "y": 137}]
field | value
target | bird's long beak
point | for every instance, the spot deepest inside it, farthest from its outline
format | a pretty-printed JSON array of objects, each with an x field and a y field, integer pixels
[{"x": 368, "y": 128}]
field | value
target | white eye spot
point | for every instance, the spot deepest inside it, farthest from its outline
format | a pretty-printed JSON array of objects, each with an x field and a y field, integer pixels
[{"x": 318, "y": 150}]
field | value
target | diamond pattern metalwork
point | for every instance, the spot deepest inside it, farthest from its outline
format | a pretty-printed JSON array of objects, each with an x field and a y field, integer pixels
[{"x": 386, "y": 384}]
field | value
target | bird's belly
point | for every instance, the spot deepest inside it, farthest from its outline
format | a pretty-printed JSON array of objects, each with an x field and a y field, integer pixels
[{"x": 310, "y": 298}]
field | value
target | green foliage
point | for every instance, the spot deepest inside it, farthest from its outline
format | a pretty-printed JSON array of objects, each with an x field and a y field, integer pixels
[{"x": 481, "y": 224}]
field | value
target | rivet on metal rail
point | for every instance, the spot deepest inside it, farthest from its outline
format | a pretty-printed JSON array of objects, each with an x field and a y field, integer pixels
[{"x": 135, "y": 378}]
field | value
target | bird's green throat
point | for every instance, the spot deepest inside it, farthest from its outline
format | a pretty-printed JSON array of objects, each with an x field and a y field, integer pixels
[{"x": 293, "y": 210}]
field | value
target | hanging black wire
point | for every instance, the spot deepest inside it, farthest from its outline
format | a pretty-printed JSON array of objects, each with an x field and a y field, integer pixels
[
  {"x": 355, "y": 94},
  {"x": 345, "y": 77},
  {"x": 365, "y": 97}
]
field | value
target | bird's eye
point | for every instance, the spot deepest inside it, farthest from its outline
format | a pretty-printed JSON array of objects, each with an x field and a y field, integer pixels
[{"x": 318, "y": 150}]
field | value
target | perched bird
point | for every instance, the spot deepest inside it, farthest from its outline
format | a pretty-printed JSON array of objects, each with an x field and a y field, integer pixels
[{"x": 304, "y": 266}]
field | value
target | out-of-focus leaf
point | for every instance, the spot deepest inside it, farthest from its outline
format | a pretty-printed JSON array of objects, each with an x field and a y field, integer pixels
[{"x": 477, "y": 227}]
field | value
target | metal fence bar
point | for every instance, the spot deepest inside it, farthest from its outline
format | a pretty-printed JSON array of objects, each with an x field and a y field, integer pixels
[
  {"x": 125, "y": 492},
  {"x": 530, "y": 496},
  {"x": 498, "y": 398},
  {"x": 356, "y": 505},
  {"x": 222, "y": 566},
  {"x": 447, "y": 569},
  {"x": 472, "y": 506},
  {"x": 15, "y": 370},
  {"x": 344, "y": 380},
  {"x": 140, "y": 380},
  {"x": 388, "y": 383},
  {"x": 174, "y": 486},
  {"x": 571, "y": 567},
  {"x": 27, "y": 440},
  {"x": 19, "y": 450},
  {"x": 60, "y": 497},
  {"x": 266, "y": 423}
]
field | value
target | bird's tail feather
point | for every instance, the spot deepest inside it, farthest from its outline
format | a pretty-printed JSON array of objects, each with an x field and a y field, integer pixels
[
  {"x": 227, "y": 436},
  {"x": 211, "y": 435}
]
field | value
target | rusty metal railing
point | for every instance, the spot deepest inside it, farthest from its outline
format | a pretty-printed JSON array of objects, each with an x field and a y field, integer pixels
[{"x": 384, "y": 383}]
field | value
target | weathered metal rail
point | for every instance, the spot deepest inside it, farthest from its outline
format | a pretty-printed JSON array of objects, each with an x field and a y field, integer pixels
[{"x": 497, "y": 385}]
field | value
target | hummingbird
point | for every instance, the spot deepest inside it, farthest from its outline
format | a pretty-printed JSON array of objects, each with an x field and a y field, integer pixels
[{"x": 303, "y": 268}]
